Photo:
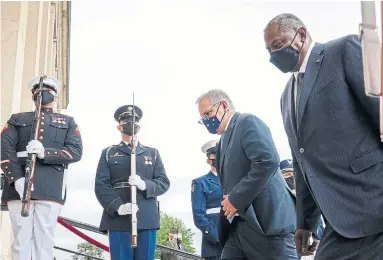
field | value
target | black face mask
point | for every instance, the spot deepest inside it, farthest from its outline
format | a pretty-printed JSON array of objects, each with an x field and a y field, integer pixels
[
  {"x": 128, "y": 129},
  {"x": 46, "y": 97},
  {"x": 291, "y": 182},
  {"x": 213, "y": 163},
  {"x": 286, "y": 59}
]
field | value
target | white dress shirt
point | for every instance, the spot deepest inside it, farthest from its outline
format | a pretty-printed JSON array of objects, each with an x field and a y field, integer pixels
[{"x": 302, "y": 69}]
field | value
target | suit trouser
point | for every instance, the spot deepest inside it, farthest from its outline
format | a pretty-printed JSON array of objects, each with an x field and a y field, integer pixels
[
  {"x": 245, "y": 243},
  {"x": 119, "y": 243},
  {"x": 212, "y": 258},
  {"x": 33, "y": 235},
  {"x": 335, "y": 246}
]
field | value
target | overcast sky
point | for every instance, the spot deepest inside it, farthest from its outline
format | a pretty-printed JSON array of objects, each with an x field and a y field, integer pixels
[{"x": 169, "y": 52}]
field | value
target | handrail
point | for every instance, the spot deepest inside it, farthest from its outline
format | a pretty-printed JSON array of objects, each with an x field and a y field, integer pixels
[
  {"x": 95, "y": 229},
  {"x": 77, "y": 253}
]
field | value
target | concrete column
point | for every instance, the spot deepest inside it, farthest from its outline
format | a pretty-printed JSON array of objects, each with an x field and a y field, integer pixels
[
  {"x": 19, "y": 62},
  {"x": 31, "y": 52},
  {"x": 14, "y": 19},
  {"x": 10, "y": 14}
]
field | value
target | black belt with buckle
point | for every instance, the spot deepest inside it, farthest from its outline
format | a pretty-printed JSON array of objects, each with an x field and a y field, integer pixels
[{"x": 121, "y": 185}]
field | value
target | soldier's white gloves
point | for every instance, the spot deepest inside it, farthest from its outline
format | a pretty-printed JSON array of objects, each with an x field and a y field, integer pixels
[
  {"x": 126, "y": 209},
  {"x": 19, "y": 186},
  {"x": 36, "y": 147},
  {"x": 138, "y": 182}
]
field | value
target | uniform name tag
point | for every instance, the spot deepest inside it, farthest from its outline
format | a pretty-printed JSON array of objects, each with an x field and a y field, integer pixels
[{"x": 116, "y": 155}]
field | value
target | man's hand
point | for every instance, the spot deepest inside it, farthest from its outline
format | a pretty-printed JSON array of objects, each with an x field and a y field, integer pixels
[
  {"x": 36, "y": 147},
  {"x": 138, "y": 182},
  {"x": 227, "y": 207},
  {"x": 302, "y": 241},
  {"x": 19, "y": 186},
  {"x": 126, "y": 209}
]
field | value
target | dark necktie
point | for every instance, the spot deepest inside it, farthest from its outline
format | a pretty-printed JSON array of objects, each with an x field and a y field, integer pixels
[{"x": 299, "y": 89}]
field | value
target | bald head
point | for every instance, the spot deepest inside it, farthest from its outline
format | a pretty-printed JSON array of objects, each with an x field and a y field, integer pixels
[
  {"x": 287, "y": 22},
  {"x": 287, "y": 40}
]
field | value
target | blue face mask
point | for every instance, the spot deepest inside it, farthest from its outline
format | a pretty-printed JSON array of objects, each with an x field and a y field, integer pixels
[
  {"x": 212, "y": 123},
  {"x": 286, "y": 59}
]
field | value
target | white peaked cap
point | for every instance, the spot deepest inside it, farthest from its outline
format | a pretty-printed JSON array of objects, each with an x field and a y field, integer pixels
[
  {"x": 208, "y": 145},
  {"x": 49, "y": 81}
]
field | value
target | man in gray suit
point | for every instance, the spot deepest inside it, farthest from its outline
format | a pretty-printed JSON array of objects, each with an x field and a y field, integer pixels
[
  {"x": 258, "y": 217},
  {"x": 333, "y": 130}
]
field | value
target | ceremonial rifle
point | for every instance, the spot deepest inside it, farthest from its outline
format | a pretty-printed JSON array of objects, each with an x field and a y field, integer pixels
[
  {"x": 133, "y": 188},
  {"x": 31, "y": 159},
  {"x": 372, "y": 49}
]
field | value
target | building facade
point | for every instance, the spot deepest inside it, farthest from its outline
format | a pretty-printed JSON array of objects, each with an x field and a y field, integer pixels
[{"x": 35, "y": 39}]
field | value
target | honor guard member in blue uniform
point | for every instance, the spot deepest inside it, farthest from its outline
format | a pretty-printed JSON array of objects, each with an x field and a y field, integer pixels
[
  {"x": 59, "y": 144},
  {"x": 206, "y": 195},
  {"x": 112, "y": 188},
  {"x": 287, "y": 170}
]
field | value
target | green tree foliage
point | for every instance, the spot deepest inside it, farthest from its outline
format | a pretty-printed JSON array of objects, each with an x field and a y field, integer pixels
[
  {"x": 167, "y": 224},
  {"x": 88, "y": 249}
]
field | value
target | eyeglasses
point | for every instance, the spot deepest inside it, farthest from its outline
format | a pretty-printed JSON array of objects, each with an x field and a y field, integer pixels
[{"x": 206, "y": 115}]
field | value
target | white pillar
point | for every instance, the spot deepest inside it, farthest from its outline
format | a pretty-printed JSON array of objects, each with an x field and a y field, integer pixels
[{"x": 19, "y": 66}]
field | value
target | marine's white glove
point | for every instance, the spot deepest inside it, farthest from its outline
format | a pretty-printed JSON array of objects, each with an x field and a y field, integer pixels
[
  {"x": 138, "y": 182},
  {"x": 19, "y": 186},
  {"x": 36, "y": 147},
  {"x": 126, "y": 209}
]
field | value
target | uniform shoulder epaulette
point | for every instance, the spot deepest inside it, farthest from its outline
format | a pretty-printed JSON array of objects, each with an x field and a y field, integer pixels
[
  {"x": 21, "y": 117},
  {"x": 62, "y": 115},
  {"x": 199, "y": 178},
  {"x": 145, "y": 146}
]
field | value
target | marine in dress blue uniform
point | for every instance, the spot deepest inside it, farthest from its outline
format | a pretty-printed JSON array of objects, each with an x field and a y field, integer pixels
[
  {"x": 206, "y": 196},
  {"x": 112, "y": 188},
  {"x": 58, "y": 144}
]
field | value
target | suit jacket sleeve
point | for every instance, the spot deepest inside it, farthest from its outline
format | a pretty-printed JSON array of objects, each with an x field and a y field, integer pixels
[
  {"x": 9, "y": 140},
  {"x": 353, "y": 67},
  {"x": 257, "y": 142},
  {"x": 71, "y": 151},
  {"x": 201, "y": 221},
  {"x": 106, "y": 195},
  {"x": 160, "y": 183},
  {"x": 308, "y": 213}
]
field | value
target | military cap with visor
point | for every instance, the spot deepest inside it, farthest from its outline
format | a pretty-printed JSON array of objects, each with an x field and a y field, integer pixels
[{"x": 126, "y": 112}]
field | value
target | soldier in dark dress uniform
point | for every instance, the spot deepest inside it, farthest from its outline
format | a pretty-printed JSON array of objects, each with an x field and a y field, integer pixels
[
  {"x": 206, "y": 205},
  {"x": 112, "y": 188},
  {"x": 59, "y": 144}
]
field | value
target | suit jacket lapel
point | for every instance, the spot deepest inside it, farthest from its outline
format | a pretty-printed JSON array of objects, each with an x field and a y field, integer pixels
[
  {"x": 218, "y": 157},
  {"x": 311, "y": 75},
  {"x": 226, "y": 138}
]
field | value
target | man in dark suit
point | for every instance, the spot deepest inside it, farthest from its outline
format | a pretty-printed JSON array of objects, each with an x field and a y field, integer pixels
[
  {"x": 333, "y": 131},
  {"x": 258, "y": 217}
]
